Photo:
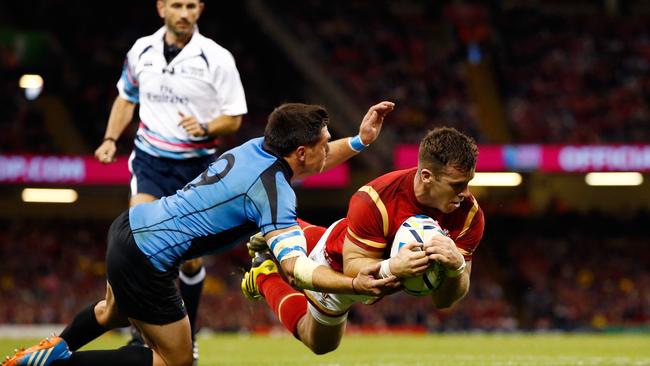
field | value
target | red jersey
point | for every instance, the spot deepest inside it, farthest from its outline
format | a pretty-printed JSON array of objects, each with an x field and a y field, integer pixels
[{"x": 378, "y": 209}]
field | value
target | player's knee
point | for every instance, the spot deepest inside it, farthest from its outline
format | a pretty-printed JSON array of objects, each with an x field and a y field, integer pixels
[
  {"x": 101, "y": 313},
  {"x": 107, "y": 316},
  {"x": 192, "y": 266},
  {"x": 323, "y": 348}
]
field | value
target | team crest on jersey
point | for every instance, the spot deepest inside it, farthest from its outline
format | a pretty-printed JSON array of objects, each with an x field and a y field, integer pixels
[{"x": 194, "y": 71}]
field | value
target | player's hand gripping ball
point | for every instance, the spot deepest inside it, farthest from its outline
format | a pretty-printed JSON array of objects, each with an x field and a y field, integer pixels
[{"x": 419, "y": 228}]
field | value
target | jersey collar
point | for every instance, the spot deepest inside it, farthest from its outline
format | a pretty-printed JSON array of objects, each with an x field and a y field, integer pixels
[
  {"x": 286, "y": 168},
  {"x": 191, "y": 49}
]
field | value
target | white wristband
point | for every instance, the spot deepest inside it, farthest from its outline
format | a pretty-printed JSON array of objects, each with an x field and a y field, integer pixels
[
  {"x": 384, "y": 270},
  {"x": 453, "y": 273},
  {"x": 303, "y": 272}
]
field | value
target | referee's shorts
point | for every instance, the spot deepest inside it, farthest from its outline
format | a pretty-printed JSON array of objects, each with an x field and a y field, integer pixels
[
  {"x": 141, "y": 291},
  {"x": 161, "y": 177}
]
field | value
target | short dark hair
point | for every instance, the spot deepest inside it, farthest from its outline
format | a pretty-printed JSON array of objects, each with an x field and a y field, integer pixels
[
  {"x": 292, "y": 125},
  {"x": 444, "y": 146}
]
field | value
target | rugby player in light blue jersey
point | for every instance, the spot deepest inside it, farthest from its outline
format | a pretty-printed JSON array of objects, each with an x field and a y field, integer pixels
[{"x": 246, "y": 190}]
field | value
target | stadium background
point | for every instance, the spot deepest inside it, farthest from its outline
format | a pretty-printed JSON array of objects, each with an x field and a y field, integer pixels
[{"x": 557, "y": 254}]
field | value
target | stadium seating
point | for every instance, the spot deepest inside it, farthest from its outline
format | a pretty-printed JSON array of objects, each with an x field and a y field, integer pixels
[
  {"x": 575, "y": 78},
  {"x": 553, "y": 277},
  {"x": 564, "y": 77}
]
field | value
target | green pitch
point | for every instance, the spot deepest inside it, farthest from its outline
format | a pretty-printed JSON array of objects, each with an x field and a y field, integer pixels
[{"x": 443, "y": 350}]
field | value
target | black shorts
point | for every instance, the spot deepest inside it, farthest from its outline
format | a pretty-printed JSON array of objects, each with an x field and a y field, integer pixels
[
  {"x": 141, "y": 291},
  {"x": 161, "y": 177}
]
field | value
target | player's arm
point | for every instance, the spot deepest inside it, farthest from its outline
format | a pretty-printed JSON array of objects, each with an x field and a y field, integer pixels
[
  {"x": 343, "y": 149},
  {"x": 452, "y": 290},
  {"x": 407, "y": 263},
  {"x": 120, "y": 117},
  {"x": 456, "y": 283},
  {"x": 288, "y": 245},
  {"x": 365, "y": 241},
  {"x": 222, "y": 125},
  {"x": 355, "y": 257}
]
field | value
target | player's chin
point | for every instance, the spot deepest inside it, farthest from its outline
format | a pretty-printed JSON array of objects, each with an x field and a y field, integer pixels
[{"x": 451, "y": 207}]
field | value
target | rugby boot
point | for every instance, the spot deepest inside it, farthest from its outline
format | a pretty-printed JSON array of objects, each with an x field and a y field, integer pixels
[
  {"x": 43, "y": 354},
  {"x": 262, "y": 263}
]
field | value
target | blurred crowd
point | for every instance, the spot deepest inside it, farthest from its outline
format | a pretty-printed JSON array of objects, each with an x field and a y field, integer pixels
[
  {"x": 556, "y": 272},
  {"x": 563, "y": 77},
  {"x": 576, "y": 78},
  {"x": 386, "y": 50}
]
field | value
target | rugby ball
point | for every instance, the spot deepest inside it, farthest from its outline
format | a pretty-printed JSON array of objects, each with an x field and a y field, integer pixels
[{"x": 419, "y": 228}]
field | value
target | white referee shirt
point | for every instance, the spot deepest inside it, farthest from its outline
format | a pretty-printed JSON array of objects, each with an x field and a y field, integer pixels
[{"x": 201, "y": 81}]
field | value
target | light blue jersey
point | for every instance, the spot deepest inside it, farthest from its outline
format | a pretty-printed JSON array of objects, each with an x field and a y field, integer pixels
[{"x": 247, "y": 189}]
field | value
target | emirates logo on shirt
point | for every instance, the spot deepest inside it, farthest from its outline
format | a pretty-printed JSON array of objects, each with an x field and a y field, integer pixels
[{"x": 166, "y": 96}]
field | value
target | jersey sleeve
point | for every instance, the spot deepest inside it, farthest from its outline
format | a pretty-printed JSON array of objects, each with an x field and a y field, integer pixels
[
  {"x": 229, "y": 88},
  {"x": 128, "y": 86},
  {"x": 272, "y": 204},
  {"x": 471, "y": 235},
  {"x": 365, "y": 222}
]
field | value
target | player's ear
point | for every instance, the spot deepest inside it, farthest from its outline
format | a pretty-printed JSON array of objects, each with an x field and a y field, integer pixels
[
  {"x": 426, "y": 175},
  {"x": 201, "y": 6},
  {"x": 301, "y": 154},
  {"x": 160, "y": 6}
]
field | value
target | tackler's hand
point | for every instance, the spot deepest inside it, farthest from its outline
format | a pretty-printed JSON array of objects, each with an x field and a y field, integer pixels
[
  {"x": 368, "y": 282},
  {"x": 373, "y": 120}
]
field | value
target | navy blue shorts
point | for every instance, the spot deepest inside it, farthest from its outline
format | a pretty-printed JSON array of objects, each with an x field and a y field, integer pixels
[
  {"x": 162, "y": 177},
  {"x": 141, "y": 291}
]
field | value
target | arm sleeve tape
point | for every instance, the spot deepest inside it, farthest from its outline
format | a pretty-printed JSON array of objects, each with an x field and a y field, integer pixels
[
  {"x": 303, "y": 272},
  {"x": 452, "y": 273},
  {"x": 288, "y": 245},
  {"x": 384, "y": 269}
]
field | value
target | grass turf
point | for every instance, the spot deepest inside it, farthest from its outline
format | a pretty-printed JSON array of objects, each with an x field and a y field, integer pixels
[{"x": 444, "y": 349}]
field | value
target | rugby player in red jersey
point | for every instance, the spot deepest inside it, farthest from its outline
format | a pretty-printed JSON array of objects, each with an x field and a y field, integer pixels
[{"x": 437, "y": 187}]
